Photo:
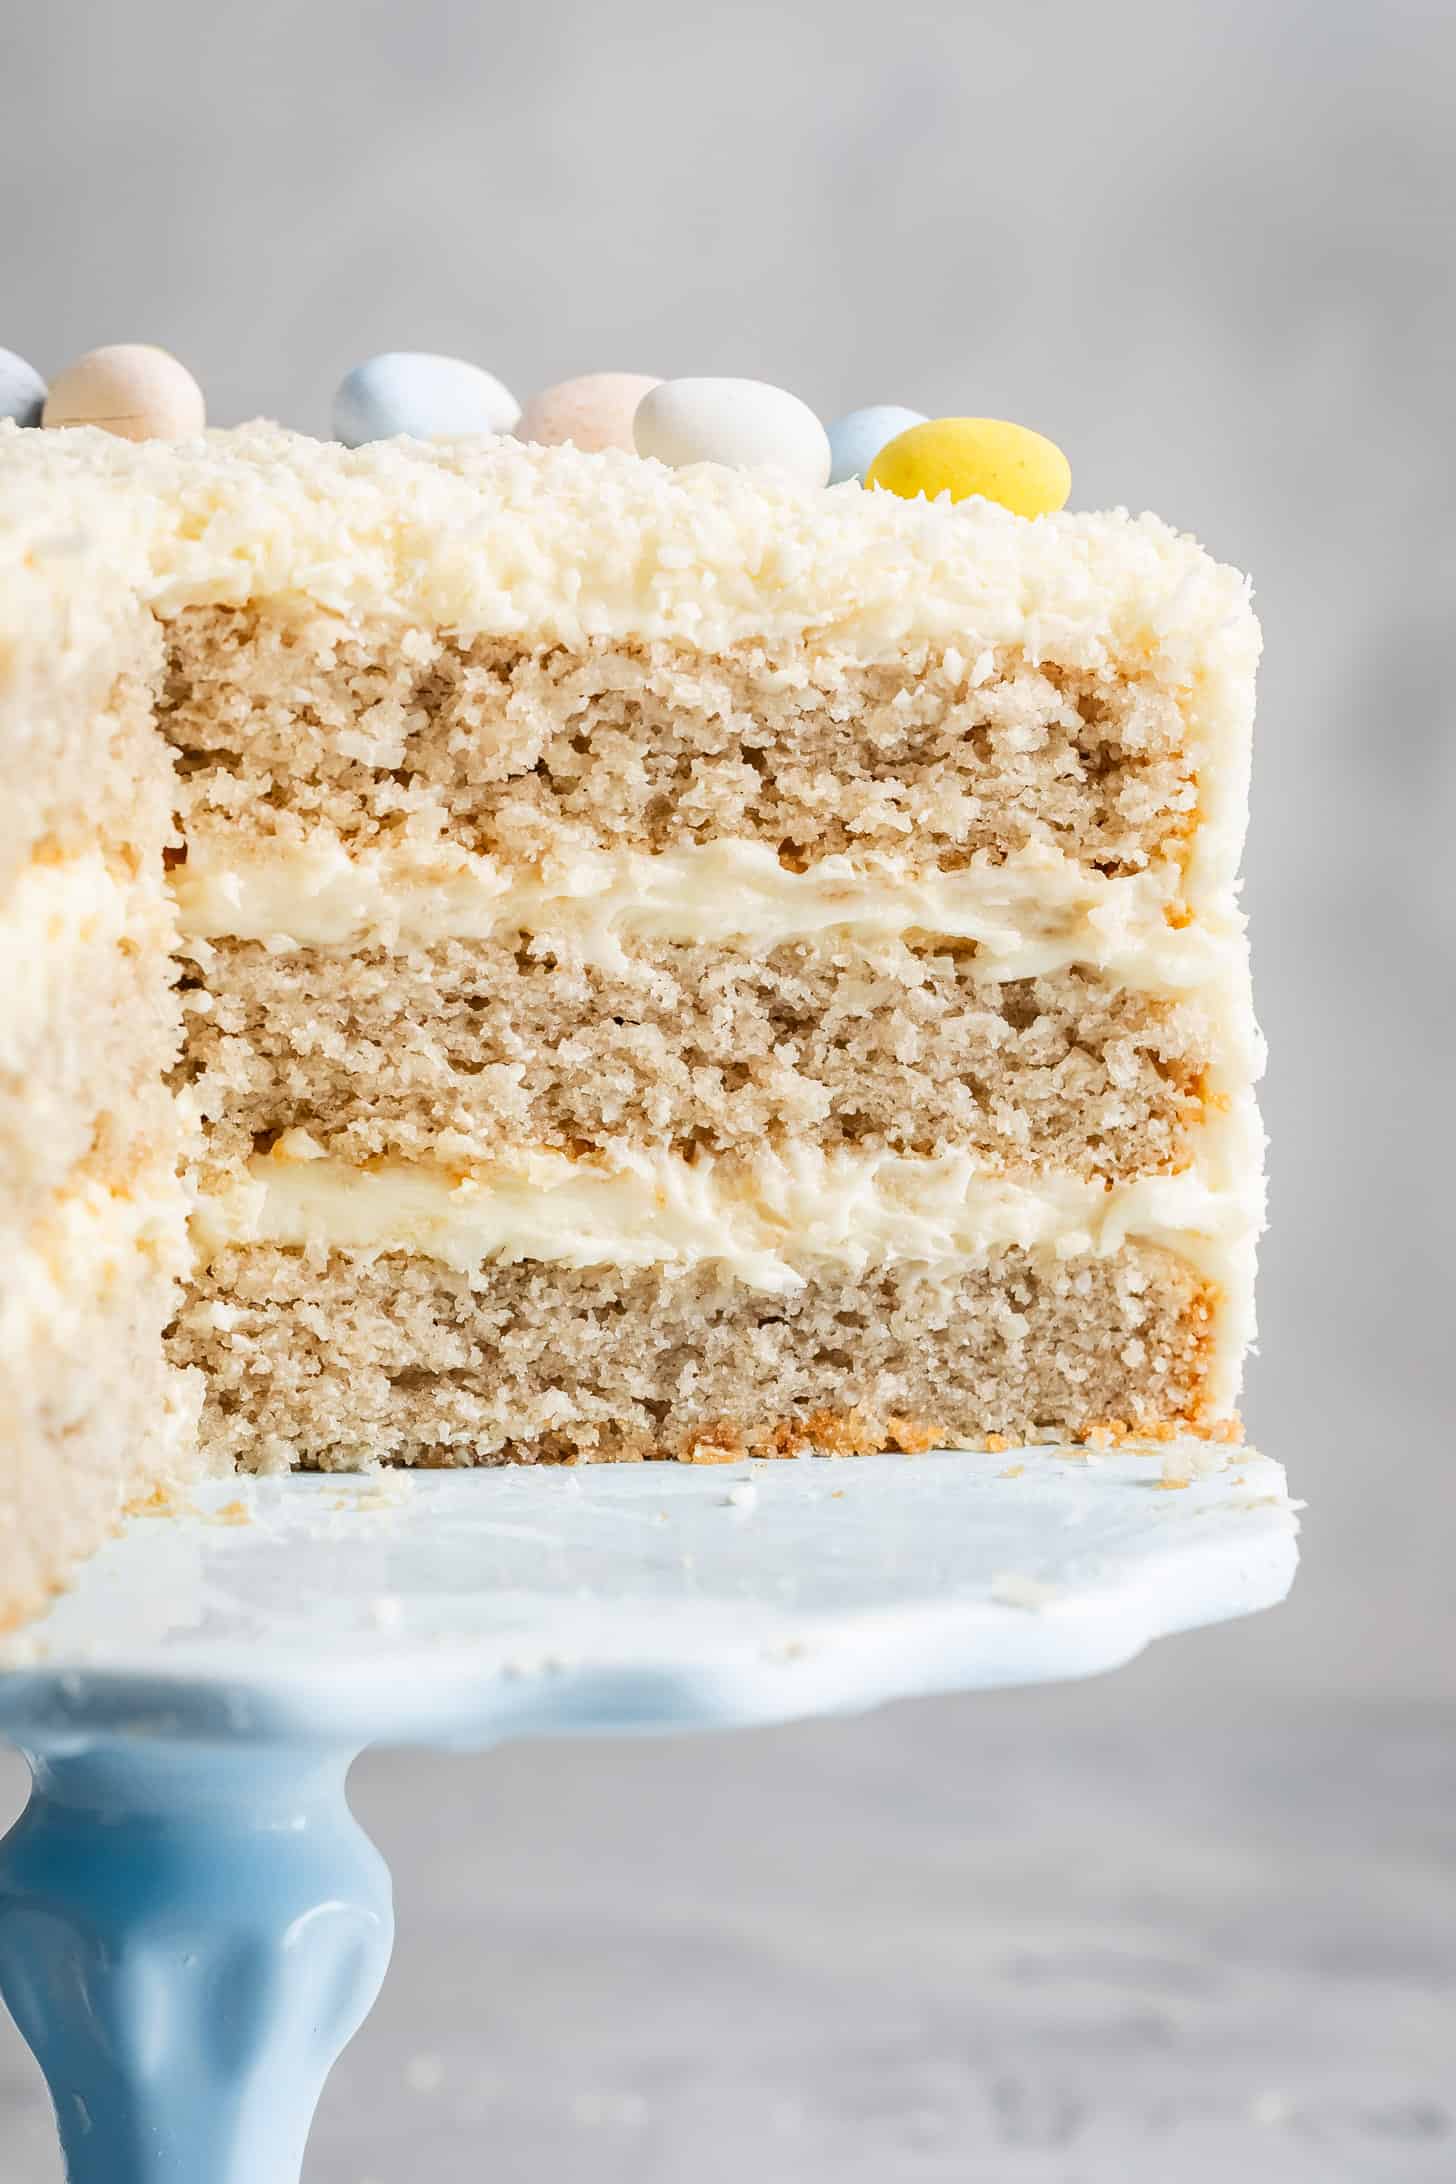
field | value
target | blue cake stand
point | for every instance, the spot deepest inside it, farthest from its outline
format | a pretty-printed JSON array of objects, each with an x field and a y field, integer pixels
[{"x": 191, "y": 1923}]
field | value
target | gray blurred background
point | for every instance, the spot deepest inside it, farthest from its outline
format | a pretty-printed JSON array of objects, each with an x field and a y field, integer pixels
[{"x": 1200, "y": 1913}]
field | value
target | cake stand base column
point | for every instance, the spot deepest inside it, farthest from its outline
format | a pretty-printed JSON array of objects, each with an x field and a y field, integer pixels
[{"x": 189, "y": 1935}]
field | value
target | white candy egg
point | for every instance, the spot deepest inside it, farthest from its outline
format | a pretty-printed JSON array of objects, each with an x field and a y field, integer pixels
[{"x": 744, "y": 423}]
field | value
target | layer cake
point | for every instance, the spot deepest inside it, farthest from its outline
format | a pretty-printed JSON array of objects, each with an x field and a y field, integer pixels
[{"x": 670, "y": 963}]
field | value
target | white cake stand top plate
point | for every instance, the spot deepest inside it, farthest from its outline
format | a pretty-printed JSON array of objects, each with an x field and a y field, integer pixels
[{"x": 467, "y": 1607}]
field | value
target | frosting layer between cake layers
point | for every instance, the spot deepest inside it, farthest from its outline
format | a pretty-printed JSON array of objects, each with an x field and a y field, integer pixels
[
  {"x": 1036, "y": 911},
  {"x": 766, "y": 1221}
]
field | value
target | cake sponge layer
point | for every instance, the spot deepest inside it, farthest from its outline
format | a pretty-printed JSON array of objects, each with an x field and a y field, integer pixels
[
  {"x": 282, "y": 726},
  {"x": 342, "y": 1360},
  {"x": 474, "y": 1050}
]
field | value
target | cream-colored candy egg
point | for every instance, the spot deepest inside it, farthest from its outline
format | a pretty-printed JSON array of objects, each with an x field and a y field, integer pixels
[
  {"x": 131, "y": 389},
  {"x": 592, "y": 412},
  {"x": 744, "y": 423}
]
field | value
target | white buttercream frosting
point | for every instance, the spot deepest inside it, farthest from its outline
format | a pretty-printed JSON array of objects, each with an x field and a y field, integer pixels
[
  {"x": 493, "y": 537},
  {"x": 1037, "y": 911},
  {"x": 49, "y": 916},
  {"x": 764, "y": 1218},
  {"x": 93, "y": 1237}
]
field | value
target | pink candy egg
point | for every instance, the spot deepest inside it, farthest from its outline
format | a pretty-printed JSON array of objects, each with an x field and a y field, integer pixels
[
  {"x": 593, "y": 412},
  {"x": 130, "y": 389}
]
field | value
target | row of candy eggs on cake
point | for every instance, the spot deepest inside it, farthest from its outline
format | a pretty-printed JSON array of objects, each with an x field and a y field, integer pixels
[
  {"x": 141, "y": 392},
  {"x": 746, "y": 424}
]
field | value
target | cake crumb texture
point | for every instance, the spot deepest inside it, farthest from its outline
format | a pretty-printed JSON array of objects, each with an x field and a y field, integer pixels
[
  {"x": 341, "y": 1360},
  {"x": 516, "y": 752},
  {"x": 474, "y": 1050}
]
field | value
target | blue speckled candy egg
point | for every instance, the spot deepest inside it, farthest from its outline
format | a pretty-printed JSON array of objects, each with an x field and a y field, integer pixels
[
  {"x": 855, "y": 440},
  {"x": 745, "y": 423},
  {"x": 428, "y": 397},
  {"x": 22, "y": 390}
]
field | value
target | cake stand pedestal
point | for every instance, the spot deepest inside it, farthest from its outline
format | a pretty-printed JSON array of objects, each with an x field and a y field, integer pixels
[{"x": 191, "y": 1923}]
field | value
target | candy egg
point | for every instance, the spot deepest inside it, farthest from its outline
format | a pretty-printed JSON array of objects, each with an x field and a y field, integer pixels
[
  {"x": 855, "y": 440},
  {"x": 593, "y": 412},
  {"x": 22, "y": 390},
  {"x": 426, "y": 397},
  {"x": 742, "y": 422},
  {"x": 965, "y": 455},
  {"x": 131, "y": 389}
]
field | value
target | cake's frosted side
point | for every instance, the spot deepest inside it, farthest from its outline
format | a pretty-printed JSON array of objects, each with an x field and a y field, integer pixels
[{"x": 92, "y": 1216}]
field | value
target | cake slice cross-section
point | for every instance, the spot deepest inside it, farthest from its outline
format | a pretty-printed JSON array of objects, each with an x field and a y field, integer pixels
[{"x": 680, "y": 964}]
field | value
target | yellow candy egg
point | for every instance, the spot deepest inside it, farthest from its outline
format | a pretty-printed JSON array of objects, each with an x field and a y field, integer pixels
[
  {"x": 135, "y": 391},
  {"x": 964, "y": 455}
]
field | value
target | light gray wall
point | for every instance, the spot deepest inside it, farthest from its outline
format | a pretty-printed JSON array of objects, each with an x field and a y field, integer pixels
[{"x": 1207, "y": 248}]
